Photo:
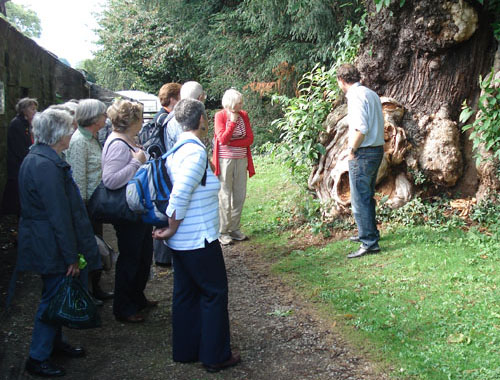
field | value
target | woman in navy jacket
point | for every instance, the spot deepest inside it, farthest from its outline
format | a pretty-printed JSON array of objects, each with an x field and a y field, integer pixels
[{"x": 53, "y": 229}]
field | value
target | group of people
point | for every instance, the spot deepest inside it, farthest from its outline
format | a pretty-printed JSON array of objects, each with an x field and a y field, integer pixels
[
  {"x": 59, "y": 162},
  {"x": 62, "y": 164}
]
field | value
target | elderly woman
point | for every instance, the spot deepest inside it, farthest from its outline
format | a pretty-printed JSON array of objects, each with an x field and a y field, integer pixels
[
  {"x": 121, "y": 158},
  {"x": 84, "y": 155},
  {"x": 232, "y": 158},
  {"x": 53, "y": 230},
  {"x": 19, "y": 139},
  {"x": 200, "y": 321}
]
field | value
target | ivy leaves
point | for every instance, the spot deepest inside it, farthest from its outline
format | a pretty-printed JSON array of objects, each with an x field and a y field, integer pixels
[{"x": 486, "y": 126}]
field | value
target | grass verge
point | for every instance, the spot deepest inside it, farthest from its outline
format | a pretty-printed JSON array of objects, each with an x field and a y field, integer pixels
[{"x": 429, "y": 304}]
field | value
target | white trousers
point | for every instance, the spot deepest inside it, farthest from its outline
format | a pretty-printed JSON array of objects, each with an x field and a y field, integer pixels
[{"x": 233, "y": 190}]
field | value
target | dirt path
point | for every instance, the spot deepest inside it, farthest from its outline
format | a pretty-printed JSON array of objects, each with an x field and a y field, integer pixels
[{"x": 275, "y": 344}]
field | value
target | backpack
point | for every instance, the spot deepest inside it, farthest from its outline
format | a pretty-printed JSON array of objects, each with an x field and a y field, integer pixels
[
  {"x": 149, "y": 191},
  {"x": 151, "y": 136}
]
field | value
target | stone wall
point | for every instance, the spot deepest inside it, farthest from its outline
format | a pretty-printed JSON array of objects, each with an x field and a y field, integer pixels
[{"x": 26, "y": 69}]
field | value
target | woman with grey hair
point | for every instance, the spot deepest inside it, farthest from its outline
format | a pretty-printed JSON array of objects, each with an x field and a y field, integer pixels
[
  {"x": 53, "y": 229},
  {"x": 232, "y": 159},
  {"x": 200, "y": 320},
  {"x": 19, "y": 139},
  {"x": 84, "y": 156}
]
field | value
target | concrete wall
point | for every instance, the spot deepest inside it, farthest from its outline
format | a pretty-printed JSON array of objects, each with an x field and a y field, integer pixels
[{"x": 26, "y": 69}]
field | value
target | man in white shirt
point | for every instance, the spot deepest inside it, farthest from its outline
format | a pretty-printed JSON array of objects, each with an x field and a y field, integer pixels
[{"x": 366, "y": 150}]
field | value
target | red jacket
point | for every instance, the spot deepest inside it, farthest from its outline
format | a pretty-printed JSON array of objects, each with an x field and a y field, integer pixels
[{"x": 223, "y": 135}]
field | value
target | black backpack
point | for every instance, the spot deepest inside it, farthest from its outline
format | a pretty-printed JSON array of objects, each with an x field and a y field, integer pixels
[{"x": 151, "y": 136}]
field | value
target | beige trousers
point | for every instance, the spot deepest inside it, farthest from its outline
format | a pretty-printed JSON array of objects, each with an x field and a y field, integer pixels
[{"x": 233, "y": 190}]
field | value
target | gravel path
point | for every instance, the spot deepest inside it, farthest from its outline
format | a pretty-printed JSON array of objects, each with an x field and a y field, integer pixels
[{"x": 280, "y": 337}]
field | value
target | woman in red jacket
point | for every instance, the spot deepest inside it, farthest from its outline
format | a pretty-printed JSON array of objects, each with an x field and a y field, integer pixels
[{"x": 232, "y": 158}]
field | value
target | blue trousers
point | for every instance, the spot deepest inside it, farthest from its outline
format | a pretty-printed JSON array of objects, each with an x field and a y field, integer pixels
[
  {"x": 363, "y": 171},
  {"x": 200, "y": 320},
  {"x": 45, "y": 335}
]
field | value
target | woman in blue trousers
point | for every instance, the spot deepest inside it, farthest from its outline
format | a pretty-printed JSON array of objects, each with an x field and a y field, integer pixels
[
  {"x": 200, "y": 320},
  {"x": 53, "y": 229}
]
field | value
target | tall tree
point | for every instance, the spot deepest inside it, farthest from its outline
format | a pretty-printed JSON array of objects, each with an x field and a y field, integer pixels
[
  {"x": 25, "y": 19},
  {"x": 426, "y": 58}
]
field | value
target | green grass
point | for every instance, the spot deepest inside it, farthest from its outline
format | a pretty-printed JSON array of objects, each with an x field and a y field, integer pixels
[{"x": 429, "y": 305}]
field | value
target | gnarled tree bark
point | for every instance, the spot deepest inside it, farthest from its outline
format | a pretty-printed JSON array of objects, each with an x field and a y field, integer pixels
[{"x": 427, "y": 57}]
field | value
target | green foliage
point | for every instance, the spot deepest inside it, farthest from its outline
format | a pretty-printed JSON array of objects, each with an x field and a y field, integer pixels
[
  {"x": 435, "y": 213},
  {"x": 424, "y": 304},
  {"x": 486, "y": 214},
  {"x": 304, "y": 115},
  {"x": 134, "y": 37},
  {"x": 245, "y": 44},
  {"x": 486, "y": 126},
  {"x": 24, "y": 19}
]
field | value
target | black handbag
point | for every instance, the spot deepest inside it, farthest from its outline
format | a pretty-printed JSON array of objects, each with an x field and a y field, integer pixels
[
  {"x": 110, "y": 206},
  {"x": 72, "y": 306}
]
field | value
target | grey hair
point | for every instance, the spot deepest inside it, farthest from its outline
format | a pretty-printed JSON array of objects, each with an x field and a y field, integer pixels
[
  {"x": 52, "y": 125},
  {"x": 230, "y": 98},
  {"x": 188, "y": 113},
  {"x": 89, "y": 111},
  {"x": 70, "y": 107},
  {"x": 192, "y": 90},
  {"x": 24, "y": 104}
]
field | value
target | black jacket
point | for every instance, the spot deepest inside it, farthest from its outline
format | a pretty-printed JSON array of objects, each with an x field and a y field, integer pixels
[{"x": 18, "y": 144}]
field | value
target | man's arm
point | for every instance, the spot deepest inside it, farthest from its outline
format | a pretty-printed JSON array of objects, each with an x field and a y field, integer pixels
[{"x": 357, "y": 139}]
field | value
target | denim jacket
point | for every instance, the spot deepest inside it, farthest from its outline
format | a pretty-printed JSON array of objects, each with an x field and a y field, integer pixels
[{"x": 54, "y": 226}]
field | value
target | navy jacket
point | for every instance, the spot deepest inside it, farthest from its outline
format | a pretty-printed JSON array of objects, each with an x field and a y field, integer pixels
[{"x": 54, "y": 226}]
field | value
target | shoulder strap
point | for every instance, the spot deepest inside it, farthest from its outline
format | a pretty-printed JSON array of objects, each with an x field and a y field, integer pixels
[
  {"x": 181, "y": 143},
  {"x": 119, "y": 139}
]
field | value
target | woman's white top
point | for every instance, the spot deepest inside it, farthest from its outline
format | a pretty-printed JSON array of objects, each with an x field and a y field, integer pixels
[{"x": 198, "y": 205}]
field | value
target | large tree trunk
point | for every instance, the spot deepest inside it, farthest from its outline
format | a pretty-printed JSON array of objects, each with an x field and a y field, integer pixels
[{"x": 426, "y": 57}]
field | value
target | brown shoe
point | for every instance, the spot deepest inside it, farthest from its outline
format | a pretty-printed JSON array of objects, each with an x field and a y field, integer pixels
[
  {"x": 232, "y": 361},
  {"x": 136, "y": 318}
]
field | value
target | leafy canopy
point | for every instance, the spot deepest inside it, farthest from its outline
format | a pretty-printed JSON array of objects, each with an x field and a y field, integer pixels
[{"x": 24, "y": 19}]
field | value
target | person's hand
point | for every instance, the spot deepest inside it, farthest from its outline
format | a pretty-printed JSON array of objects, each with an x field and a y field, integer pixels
[
  {"x": 140, "y": 156},
  {"x": 233, "y": 116},
  {"x": 73, "y": 270},
  {"x": 351, "y": 155},
  {"x": 163, "y": 233}
]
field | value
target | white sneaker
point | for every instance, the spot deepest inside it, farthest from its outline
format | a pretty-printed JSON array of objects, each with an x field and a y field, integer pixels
[
  {"x": 238, "y": 235},
  {"x": 225, "y": 239}
]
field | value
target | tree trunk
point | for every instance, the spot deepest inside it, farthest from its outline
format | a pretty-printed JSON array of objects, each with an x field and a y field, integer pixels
[{"x": 426, "y": 56}]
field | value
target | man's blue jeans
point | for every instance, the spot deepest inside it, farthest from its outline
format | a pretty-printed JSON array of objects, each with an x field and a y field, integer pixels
[{"x": 362, "y": 176}]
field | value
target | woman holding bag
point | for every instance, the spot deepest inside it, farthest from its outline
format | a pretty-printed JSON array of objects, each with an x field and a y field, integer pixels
[
  {"x": 53, "y": 229},
  {"x": 121, "y": 158}
]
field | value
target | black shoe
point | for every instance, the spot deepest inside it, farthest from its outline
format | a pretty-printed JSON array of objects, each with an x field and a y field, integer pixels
[
  {"x": 363, "y": 251},
  {"x": 232, "y": 361},
  {"x": 102, "y": 295},
  {"x": 355, "y": 239},
  {"x": 66, "y": 349},
  {"x": 45, "y": 368}
]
